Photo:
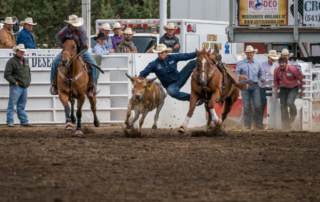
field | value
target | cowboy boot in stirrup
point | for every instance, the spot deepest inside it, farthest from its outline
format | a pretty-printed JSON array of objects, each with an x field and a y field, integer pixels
[
  {"x": 53, "y": 90},
  {"x": 92, "y": 91}
]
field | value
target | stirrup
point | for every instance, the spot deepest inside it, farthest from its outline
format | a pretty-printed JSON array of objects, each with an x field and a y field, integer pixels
[
  {"x": 53, "y": 90},
  {"x": 199, "y": 102}
]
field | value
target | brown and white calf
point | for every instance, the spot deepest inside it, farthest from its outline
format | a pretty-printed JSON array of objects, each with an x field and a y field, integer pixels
[{"x": 146, "y": 96}]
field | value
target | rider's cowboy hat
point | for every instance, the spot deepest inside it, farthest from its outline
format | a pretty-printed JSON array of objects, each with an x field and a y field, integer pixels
[
  {"x": 75, "y": 21},
  {"x": 272, "y": 54},
  {"x": 8, "y": 21},
  {"x": 100, "y": 36},
  {"x": 161, "y": 48},
  {"x": 169, "y": 26},
  {"x": 127, "y": 31},
  {"x": 286, "y": 52},
  {"x": 20, "y": 47},
  {"x": 116, "y": 25},
  {"x": 28, "y": 21},
  {"x": 105, "y": 26},
  {"x": 249, "y": 49}
]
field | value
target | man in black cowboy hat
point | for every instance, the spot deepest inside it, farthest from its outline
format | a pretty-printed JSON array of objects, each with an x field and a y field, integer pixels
[{"x": 99, "y": 48}]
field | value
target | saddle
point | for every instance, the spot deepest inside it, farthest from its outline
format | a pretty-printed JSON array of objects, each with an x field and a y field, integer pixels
[{"x": 229, "y": 71}]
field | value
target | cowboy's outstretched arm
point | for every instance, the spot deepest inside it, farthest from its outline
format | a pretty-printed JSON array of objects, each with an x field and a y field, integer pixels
[
  {"x": 184, "y": 56},
  {"x": 149, "y": 69}
]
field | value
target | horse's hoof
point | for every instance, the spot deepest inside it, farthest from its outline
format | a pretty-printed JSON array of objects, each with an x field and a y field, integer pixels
[
  {"x": 79, "y": 133},
  {"x": 68, "y": 126},
  {"x": 154, "y": 127},
  {"x": 182, "y": 129},
  {"x": 219, "y": 123},
  {"x": 128, "y": 127},
  {"x": 96, "y": 123}
]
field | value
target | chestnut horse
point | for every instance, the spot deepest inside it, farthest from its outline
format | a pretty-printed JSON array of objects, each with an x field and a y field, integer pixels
[
  {"x": 206, "y": 85},
  {"x": 72, "y": 82}
]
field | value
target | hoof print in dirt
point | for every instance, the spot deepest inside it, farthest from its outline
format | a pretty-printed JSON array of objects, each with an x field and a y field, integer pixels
[
  {"x": 216, "y": 131},
  {"x": 198, "y": 133},
  {"x": 132, "y": 133}
]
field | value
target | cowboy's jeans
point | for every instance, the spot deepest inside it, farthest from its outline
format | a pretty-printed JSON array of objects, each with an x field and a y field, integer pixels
[
  {"x": 174, "y": 89},
  {"x": 287, "y": 98},
  {"x": 254, "y": 94},
  {"x": 17, "y": 97},
  {"x": 86, "y": 56}
]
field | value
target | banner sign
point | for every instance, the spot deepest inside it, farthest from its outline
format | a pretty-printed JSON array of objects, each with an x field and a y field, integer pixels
[
  {"x": 263, "y": 12},
  {"x": 311, "y": 14}
]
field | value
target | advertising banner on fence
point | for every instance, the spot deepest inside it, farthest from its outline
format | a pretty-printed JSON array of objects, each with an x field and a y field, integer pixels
[
  {"x": 263, "y": 12},
  {"x": 311, "y": 14}
]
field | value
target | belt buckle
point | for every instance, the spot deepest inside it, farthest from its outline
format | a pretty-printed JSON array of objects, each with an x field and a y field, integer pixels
[{"x": 250, "y": 83}]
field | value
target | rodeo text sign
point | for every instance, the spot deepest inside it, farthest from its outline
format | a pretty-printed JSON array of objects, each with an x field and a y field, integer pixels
[{"x": 263, "y": 12}]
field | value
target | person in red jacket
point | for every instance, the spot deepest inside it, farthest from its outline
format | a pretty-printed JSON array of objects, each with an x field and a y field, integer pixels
[{"x": 288, "y": 77}]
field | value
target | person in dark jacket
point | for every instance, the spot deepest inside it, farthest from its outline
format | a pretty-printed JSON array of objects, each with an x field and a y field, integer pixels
[
  {"x": 26, "y": 35},
  {"x": 17, "y": 73},
  {"x": 75, "y": 27},
  {"x": 165, "y": 68},
  {"x": 169, "y": 39}
]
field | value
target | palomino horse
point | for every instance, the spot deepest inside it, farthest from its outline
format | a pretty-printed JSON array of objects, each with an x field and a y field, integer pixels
[
  {"x": 206, "y": 84},
  {"x": 72, "y": 83}
]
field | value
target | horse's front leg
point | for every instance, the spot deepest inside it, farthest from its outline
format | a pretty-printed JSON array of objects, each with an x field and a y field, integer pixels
[
  {"x": 79, "y": 115},
  {"x": 193, "y": 103},
  {"x": 64, "y": 100},
  {"x": 215, "y": 97},
  {"x": 73, "y": 118},
  {"x": 93, "y": 102}
]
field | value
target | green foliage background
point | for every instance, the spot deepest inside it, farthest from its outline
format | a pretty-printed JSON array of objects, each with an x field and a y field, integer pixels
[{"x": 50, "y": 14}]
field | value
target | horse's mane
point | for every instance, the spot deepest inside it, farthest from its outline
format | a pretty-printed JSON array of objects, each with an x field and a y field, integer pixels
[{"x": 80, "y": 45}]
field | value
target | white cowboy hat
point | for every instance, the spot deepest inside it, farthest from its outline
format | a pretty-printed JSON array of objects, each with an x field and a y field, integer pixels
[
  {"x": 8, "y": 21},
  {"x": 75, "y": 21},
  {"x": 273, "y": 54},
  {"x": 116, "y": 25},
  {"x": 242, "y": 57},
  {"x": 169, "y": 26},
  {"x": 28, "y": 21},
  {"x": 105, "y": 26},
  {"x": 20, "y": 47},
  {"x": 249, "y": 49},
  {"x": 127, "y": 31},
  {"x": 161, "y": 48},
  {"x": 286, "y": 52}
]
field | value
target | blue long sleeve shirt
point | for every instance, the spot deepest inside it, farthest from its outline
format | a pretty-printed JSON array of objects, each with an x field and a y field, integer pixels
[
  {"x": 25, "y": 37},
  {"x": 166, "y": 70},
  {"x": 107, "y": 44},
  {"x": 252, "y": 70},
  {"x": 100, "y": 49}
]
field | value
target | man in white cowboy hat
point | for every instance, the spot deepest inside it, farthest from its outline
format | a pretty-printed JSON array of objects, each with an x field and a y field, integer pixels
[
  {"x": 285, "y": 53},
  {"x": 99, "y": 48},
  {"x": 250, "y": 71},
  {"x": 117, "y": 37},
  {"x": 17, "y": 73},
  {"x": 75, "y": 28},
  {"x": 25, "y": 36},
  {"x": 126, "y": 45},
  {"x": 169, "y": 39},
  {"x": 7, "y": 39},
  {"x": 266, "y": 66},
  {"x": 165, "y": 68},
  {"x": 105, "y": 29}
]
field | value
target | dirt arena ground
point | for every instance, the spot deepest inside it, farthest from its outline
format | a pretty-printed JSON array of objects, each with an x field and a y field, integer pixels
[{"x": 47, "y": 164}]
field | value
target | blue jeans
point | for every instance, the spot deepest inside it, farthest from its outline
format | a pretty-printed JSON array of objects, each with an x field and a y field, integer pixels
[
  {"x": 263, "y": 98},
  {"x": 174, "y": 89},
  {"x": 86, "y": 56},
  {"x": 17, "y": 97},
  {"x": 253, "y": 94},
  {"x": 287, "y": 98}
]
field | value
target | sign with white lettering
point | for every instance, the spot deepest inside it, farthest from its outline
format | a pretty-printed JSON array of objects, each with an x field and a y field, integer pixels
[
  {"x": 263, "y": 12},
  {"x": 311, "y": 14}
]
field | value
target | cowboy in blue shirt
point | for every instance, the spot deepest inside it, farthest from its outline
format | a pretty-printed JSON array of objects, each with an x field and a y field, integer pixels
[
  {"x": 250, "y": 71},
  {"x": 165, "y": 67},
  {"x": 26, "y": 35},
  {"x": 99, "y": 48},
  {"x": 105, "y": 29}
]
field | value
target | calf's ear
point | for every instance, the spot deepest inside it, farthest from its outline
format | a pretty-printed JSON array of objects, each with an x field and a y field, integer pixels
[
  {"x": 131, "y": 78},
  {"x": 151, "y": 80}
]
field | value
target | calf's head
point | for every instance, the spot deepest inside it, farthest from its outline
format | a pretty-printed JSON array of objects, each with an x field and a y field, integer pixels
[{"x": 140, "y": 85}]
